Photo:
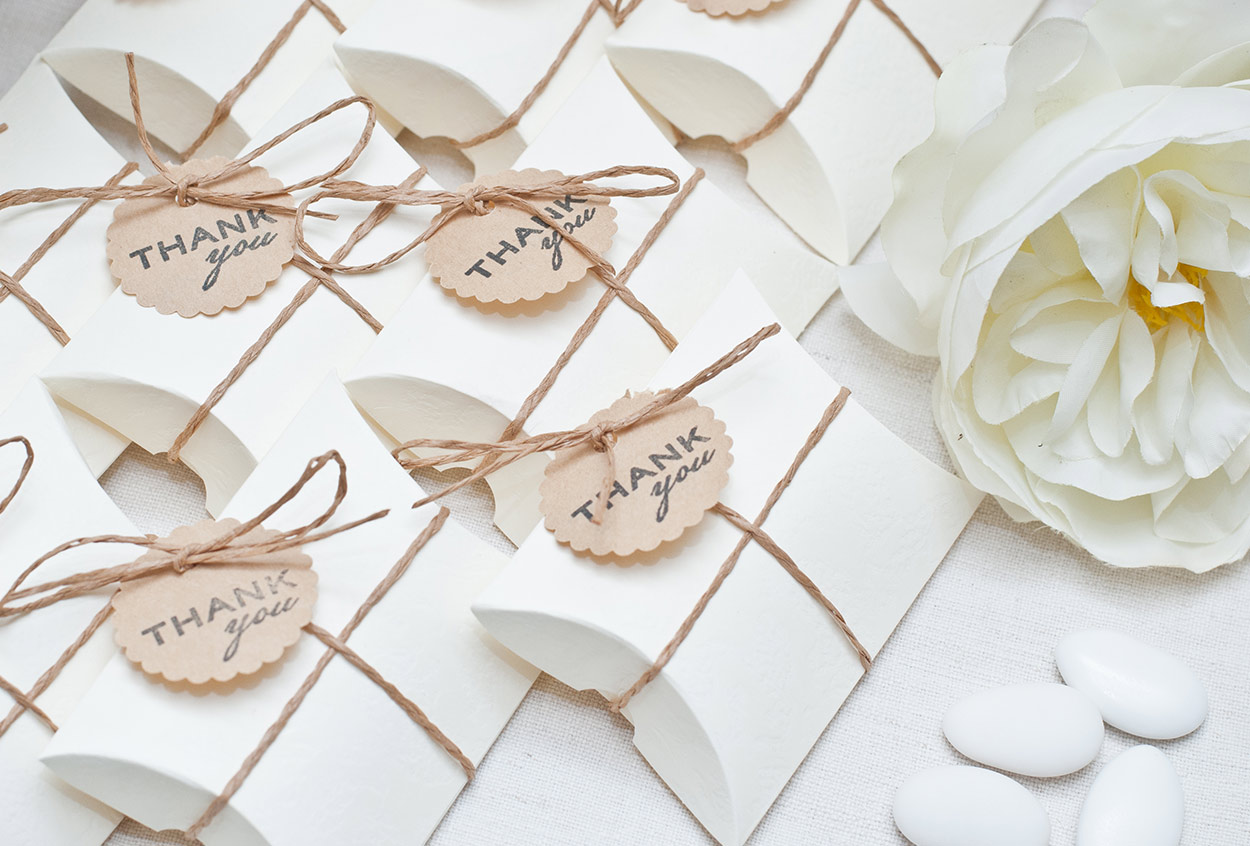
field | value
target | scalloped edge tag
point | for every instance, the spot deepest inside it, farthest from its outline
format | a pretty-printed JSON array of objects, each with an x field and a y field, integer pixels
[
  {"x": 734, "y": 8},
  {"x": 201, "y": 258},
  {"x": 215, "y": 623},
  {"x": 508, "y": 254},
  {"x": 670, "y": 469}
]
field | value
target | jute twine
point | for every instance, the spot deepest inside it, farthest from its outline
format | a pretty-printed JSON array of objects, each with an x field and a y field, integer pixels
[
  {"x": 618, "y": 11},
  {"x": 230, "y": 547},
  {"x": 224, "y": 106},
  {"x": 783, "y": 114},
  {"x": 189, "y": 190},
  {"x": 602, "y": 437},
  {"x": 12, "y": 284}
]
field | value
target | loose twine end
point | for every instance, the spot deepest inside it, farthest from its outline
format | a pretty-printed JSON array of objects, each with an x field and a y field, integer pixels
[{"x": 603, "y": 440}]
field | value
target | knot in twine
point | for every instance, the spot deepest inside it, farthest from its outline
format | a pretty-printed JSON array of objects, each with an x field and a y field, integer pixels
[
  {"x": 479, "y": 200},
  {"x": 188, "y": 190},
  {"x": 21, "y": 474},
  {"x": 228, "y": 548},
  {"x": 473, "y": 202},
  {"x": 601, "y": 437},
  {"x": 180, "y": 190}
]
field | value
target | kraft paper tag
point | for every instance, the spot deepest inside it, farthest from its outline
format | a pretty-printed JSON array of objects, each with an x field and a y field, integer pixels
[
  {"x": 511, "y": 254},
  {"x": 215, "y": 621},
  {"x": 201, "y": 258},
  {"x": 670, "y": 469},
  {"x": 716, "y": 8}
]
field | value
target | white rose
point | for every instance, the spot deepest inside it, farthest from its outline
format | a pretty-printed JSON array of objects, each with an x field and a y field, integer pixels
[{"x": 1073, "y": 243}]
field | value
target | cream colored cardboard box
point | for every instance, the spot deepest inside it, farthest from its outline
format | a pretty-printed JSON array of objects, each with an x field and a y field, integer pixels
[
  {"x": 765, "y": 668},
  {"x": 458, "y": 68},
  {"x": 826, "y": 170},
  {"x": 189, "y": 54},
  {"x": 144, "y": 373},
  {"x": 450, "y": 368},
  {"x": 59, "y": 501},
  {"x": 350, "y": 766},
  {"x": 48, "y": 144}
]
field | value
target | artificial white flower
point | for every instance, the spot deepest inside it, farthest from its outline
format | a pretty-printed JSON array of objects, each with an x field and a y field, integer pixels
[{"x": 1073, "y": 242}]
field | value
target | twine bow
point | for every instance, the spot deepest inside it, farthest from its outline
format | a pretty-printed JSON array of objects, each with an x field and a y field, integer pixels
[
  {"x": 479, "y": 200},
  {"x": 189, "y": 190},
  {"x": 21, "y": 474},
  {"x": 600, "y": 436},
  {"x": 228, "y": 548}
]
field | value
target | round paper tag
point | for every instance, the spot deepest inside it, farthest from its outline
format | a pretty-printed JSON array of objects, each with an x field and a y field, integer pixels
[
  {"x": 201, "y": 258},
  {"x": 670, "y": 469},
  {"x": 215, "y": 622},
  {"x": 730, "y": 7},
  {"x": 509, "y": 254}
]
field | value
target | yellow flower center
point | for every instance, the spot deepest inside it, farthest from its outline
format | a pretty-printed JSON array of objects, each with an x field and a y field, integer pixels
[{"x": 1156, "y": 317}]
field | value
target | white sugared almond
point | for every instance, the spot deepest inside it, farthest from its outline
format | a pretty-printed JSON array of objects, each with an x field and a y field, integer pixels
[
  {"x": 1135, "y": 801},
  {"x": 1139, "y": 689},
  {"x": 968, "y": 806},
  {"x": 1042, "y": 729}
]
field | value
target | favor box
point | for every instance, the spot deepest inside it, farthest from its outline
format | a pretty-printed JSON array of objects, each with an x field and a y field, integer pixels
[
  {"x": 458, "y": 68},
  {"x": 765, "y": 668},
  {"x": 189, "y": 54},
  {"x": 349, "y": 766},
  {"x": 59, "y": 500},
  {"x": 144, "y": 373},
  {"x": 48, "y": 144},
  {"x": 452, "y": 368},
  {"x": 826, "y": 170}
]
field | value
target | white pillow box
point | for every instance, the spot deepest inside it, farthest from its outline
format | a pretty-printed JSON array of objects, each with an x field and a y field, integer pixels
[
  {"x": 765, "y": 668},
  {"x": 350, "y": 766},
  {"x": 50, "y": 145},
  {"x": 458, "y": 68},
  {"x": 188, "y": 55},
  {"x": 59, "y": 501},
  {"x": 144, "y": 373},
  {"x": 827, "y": 170},
  {"x": 412, "y": 387}
]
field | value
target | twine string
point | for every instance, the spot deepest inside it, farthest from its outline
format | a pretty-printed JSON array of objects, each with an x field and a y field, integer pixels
[
  {"x": 190, "y": 190},
  {"x": 476, "y": 200},
  {"x": 613, "y": 291},
  {"x": 27, "y": 464},
  {"x": 338, "y": 646},
  {"x": 600, "y": 436},
  {"x": 783, "y": 114},
  {"x": 511, "y": 448},
  {"x": 221, "y": 112},
  {"x": 753, "y": 531},
  {"x": 318, "y": 276},
  {"x": 618, "y": 11},
  {"x": 12, "y": 284},
  {"x": 228, "y": 548}
]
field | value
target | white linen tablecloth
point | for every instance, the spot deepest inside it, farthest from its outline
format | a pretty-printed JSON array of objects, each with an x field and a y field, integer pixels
[{"x": 565, "y": 771}]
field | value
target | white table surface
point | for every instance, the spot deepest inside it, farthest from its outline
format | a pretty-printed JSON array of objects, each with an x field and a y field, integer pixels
[{"x": 565, "y": 771}]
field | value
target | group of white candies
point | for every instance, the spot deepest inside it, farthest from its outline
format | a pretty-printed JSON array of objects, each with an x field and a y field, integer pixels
[{"x": 1048, "y": 730}]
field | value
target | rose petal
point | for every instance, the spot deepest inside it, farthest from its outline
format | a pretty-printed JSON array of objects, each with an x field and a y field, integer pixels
[
  {"x": 1103, "y": 221},
  {"x": 1218, "y": 421},
  {"x": 1155, "y": 41},
  {"x": 912, "y": 231},
  {"x": 1159, "y": 408},
  {"x": 875, "y": 294},
  {"x": 1110, "y": 478},
  {"x": 1227, "y": 309},
  {"x": 1202, "y": 511},
  {"x": 1089, "y": 362}
]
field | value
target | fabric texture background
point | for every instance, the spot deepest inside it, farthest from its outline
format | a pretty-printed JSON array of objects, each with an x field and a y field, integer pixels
[{"x": 564, "y": 771}]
